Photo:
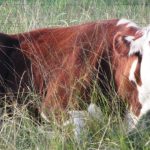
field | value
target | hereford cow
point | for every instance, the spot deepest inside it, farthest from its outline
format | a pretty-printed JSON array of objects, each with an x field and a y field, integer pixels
[{"x": 63, "y": 62}]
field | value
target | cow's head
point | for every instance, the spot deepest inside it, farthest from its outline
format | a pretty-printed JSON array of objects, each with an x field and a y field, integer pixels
[
  {"x": 141, "y": 44},
  {"x": 129, "y": 67}
]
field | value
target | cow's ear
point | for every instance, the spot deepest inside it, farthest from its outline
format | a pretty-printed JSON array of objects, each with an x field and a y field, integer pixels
[{"x": 121, "y": 43}]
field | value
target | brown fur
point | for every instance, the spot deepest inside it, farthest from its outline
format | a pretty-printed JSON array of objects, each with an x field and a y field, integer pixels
[{"x": 65, "y": 60}]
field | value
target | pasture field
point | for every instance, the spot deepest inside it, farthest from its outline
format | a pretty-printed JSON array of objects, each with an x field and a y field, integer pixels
[{"x": 22, "y": 132}]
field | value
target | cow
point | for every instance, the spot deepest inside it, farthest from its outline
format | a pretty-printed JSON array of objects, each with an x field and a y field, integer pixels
[{"x": 63, "y": 62}]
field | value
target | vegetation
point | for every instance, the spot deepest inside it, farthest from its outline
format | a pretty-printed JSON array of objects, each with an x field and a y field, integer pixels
[{"x": 20, "y": 131}]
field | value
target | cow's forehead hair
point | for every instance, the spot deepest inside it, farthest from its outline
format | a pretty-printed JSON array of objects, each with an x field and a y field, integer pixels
[{"x": 127, "y": 22}]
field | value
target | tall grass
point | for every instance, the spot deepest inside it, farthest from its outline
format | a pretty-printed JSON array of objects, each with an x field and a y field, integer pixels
[{"x": 20, "y": 131}]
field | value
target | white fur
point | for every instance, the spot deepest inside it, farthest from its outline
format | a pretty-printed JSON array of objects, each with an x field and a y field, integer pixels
[
  {"x": 130, "y": 119},
  {"x": 123, "y": 21},
  {"x": 132, "y": 71},
  {"x": 136, "y": 45},
  {"x": 129, "y": 38},
  {"x": 141, "y": 43},
  {"x": 128, "y": 22},
  {"x": 144, "y": 90},
  {"x": 131, "y": 24},
  {"x": 144, "y": 98}
]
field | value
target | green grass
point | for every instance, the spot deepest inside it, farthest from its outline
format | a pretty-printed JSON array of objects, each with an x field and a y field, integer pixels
[{"x": 20, "y": 131}]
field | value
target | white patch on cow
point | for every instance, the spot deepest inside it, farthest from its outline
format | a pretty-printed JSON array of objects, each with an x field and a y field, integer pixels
[
  {"x": 44, "y": 117},
  {"x": 129, "y": 38},
  {"x": 132, "y": 24},
  {"x": 136, "y": 45},
  {"x": 123, "y": 21},
  {"x": 139, "y": 44},
  {"x": 144, "y": 90},
  {"x": 128, "y": 22},
  {"x": 144, "y": 98},
  {"x": 132, "y": 71}
]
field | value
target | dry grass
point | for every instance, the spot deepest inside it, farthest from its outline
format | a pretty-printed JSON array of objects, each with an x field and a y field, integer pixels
[{"x": 20, "y": 131}]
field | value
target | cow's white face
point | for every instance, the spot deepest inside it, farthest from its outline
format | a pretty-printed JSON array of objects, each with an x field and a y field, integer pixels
[
  {"x": 142, "y": 46},
  {"x": 141, "y": 42}
]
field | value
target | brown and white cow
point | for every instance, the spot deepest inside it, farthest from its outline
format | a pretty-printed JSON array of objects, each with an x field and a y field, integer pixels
[{"x": 64, "y": 61}]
